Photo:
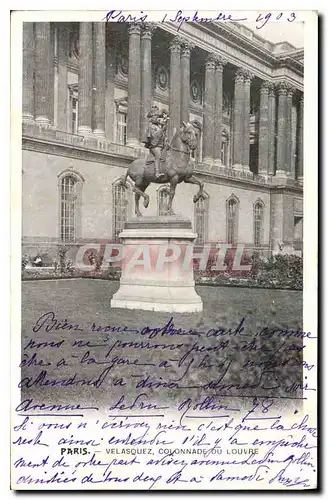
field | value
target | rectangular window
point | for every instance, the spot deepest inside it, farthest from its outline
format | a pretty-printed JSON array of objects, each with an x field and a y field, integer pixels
[
  {"x": 232, "y": 222},
  {"x": 201, "y": 214},
  {"x": 73, "y": 108},
  {"x": 224, "y": 152},
  {"x": 121, "y": 127},
  {"x": 68, "y": 198},
  {"x": 120, "y": 206}
]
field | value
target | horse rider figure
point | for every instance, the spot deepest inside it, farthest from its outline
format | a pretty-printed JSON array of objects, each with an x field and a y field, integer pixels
[{"x": 156, "y": 139}]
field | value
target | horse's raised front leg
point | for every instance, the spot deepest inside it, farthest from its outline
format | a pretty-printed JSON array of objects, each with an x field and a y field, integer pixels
[
  {"x": 200, "y": 194},
  {"x": 139, "y": 189},
  {"x": 173, "y": 184}
]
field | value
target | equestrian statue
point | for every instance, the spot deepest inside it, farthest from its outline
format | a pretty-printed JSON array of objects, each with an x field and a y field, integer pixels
[{"x": 167, "y": 162}]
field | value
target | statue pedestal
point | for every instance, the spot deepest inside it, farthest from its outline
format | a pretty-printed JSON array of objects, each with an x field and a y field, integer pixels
[{"x": 156, "y": 273}]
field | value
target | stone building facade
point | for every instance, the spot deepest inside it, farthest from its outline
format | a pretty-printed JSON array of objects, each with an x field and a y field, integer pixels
[{"x": 87, "y": 88}]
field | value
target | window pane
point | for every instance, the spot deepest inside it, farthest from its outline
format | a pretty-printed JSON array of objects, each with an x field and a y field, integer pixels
[
  {"x": 232, "y": 221},
  {"x": 258, "y": 215},
  {"x": 163, "y": 201},
  {"x": 67, "y": 212},
  {"x": 120, "y": 202},
  {"x": 200, "y": 220}
]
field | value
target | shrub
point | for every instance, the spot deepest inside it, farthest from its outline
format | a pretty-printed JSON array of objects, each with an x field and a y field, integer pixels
[
  {"x": 62, "y": 253},
  {"x": 25, "y": 261}
]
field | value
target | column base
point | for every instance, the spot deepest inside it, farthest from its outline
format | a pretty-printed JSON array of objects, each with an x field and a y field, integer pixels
[
  {"x": 208, "y": 160},
  {"x": 85, "y": 130},
  {"x": 157, "y": 286},
  {"x": 133, "y": 143},
  {"x": 282, "y": 174},
  {"x": 99, "y": 133},
  {"x": 237, "y": 166},
  {"x": 28, "y": 119},
  {"x": 42, "y": 120}
]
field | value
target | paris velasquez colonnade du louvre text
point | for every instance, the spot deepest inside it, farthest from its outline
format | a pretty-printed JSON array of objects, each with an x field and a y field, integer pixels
[{"x": 87, "y": 89}]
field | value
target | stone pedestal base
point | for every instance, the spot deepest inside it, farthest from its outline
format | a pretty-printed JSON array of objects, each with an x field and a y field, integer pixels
[{"x": 157, "y": 273}]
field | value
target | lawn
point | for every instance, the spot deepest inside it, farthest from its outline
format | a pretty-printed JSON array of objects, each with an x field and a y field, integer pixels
[{"x": 84, "y": 301}]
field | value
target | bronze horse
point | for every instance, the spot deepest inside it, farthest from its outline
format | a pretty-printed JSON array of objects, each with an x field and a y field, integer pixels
[{"x": 178, "y": 168}]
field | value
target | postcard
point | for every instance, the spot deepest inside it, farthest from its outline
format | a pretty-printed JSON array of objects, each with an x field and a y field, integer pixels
[{"x": 164, "y": 269}]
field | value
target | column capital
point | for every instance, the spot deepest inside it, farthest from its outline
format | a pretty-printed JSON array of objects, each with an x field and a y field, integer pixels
[
  {"x": 248, "y": 76},
  {"x": 220, "y": 62},
  {"x": 147, "y": 30},
  {"x": 186, "y": 48},
  {"x": 282, "y": 88},
  {"x": 175, "y": 44},
  {"x": 272, "y": 90},
  {"x": 210, "y": 61},
  {"x": 265, "y": 87},
  {"x": 134, "y": 29},
  {"x": 290, "y": 91},
  {"x": 239, "y": 75}
]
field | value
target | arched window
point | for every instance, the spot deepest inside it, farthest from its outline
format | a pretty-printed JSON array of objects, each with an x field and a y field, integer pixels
[
  {"x": 68, "y": 209},
  {"x": 258, "y": 223},
  {"x": 120, "y": 209},
  {"x": 70, "y": 197},
  {"x": 163, "y": 200},
  {"x": 232, "y": 219},
  {"x": 201, "y": 219}
]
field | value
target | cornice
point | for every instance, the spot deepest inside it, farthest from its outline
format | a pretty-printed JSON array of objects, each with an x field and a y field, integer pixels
[
  {"x": 239, "y": 42},
  {"x": 215, "y": 175},
  {"x": 48, "y": 147}
]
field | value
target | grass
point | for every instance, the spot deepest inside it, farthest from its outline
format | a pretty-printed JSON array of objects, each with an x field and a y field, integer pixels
[{"x": 88, "y": 301}]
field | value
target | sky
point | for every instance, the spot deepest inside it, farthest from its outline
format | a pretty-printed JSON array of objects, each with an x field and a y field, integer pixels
[{"x": 274, "y": 32}]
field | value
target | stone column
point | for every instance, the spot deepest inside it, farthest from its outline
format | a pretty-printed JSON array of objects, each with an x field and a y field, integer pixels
[
  {"x": 282, "y": 166},
  {"x": 271, "y": 129},
  {"x": 264, "y": 129},
  {"x": 300, "y": 141},
  {"x": 109, "y": 92},
  {"x": 43, "y": 73},
  {"x": 220, "y": 62},
  {"x": 289, "y": 152},
  {"x": 146, "y": 75},
  {"x": 247, "y": 97},
  {"x": 238, "y": 120},
  {"x": 175, "y": 85},
  {"x": 28, "y": 72},
  {"x": 85, "y": 79},
  {"x": 209, "y": 109},
  {"x": 99, "y": 30},
  {"x": 134, "y": 86},
  {"x": 62, "y": 76},
  {"x": 185, "y": 80}
]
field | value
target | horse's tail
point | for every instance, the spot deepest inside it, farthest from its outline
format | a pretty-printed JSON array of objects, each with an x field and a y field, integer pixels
[{"x": 124, "y": 178}]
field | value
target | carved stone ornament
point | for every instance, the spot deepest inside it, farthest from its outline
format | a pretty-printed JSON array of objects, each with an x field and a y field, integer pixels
[
  {"x": 186, "y": 48},
  {"x": 195, "y": 91},
  {"x": 239, "y": 75},
  {"x": 74, "y": 44},
  {"x": 162, "y": 78},
  {"x": 265, "y": 88},
  {"x": 220, "y": 62},
  {"x": 210, "y": 61},
  {"x": 282, "y": 88},
  {"x": 148, "y": 30},
  {"x": 123, "y": 63},
  {"x": 134, "y": 29},
  {"x": 175, "y": 44}
]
